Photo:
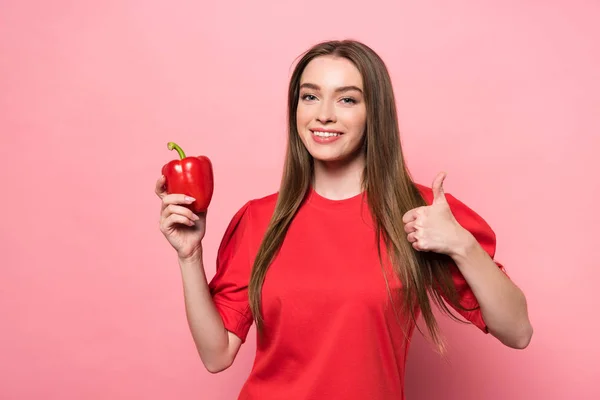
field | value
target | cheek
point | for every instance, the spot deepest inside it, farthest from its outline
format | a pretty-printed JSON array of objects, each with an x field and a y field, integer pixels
[
  {"x": 356, "y": 120},
  {"x": 302, "y": 116}
]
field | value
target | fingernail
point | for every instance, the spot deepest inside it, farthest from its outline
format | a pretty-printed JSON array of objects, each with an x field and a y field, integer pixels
[
  {"x": 195, "y": 217},
  {"x": 190, "y": 199}
]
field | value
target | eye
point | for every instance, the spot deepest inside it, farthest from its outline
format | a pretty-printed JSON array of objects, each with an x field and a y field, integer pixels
[
  {"x": 348, "y": 100},
  {"x": 308, "y": 97}
]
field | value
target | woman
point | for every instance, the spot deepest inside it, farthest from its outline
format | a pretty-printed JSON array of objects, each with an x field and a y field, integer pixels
[{"x": 335, "y": 268}]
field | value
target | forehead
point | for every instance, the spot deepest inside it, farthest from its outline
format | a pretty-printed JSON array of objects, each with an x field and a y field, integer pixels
[{"x": 331, "y": 72}]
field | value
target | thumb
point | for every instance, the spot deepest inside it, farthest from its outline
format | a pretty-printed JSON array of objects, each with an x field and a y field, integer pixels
[{"x": 439, "y": 197}]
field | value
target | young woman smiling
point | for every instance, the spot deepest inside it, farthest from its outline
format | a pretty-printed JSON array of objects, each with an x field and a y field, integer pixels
[{"x": 335, "y": 267}]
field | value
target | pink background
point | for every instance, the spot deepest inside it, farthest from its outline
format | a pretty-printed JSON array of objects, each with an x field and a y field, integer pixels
[{"x": 503, "y": 95}]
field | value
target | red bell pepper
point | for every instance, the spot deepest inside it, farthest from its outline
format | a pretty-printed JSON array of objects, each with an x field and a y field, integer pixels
[{"x": 192, "y": 176}]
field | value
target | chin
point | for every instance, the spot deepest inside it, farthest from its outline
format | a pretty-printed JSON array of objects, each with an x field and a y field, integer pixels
[
  {"x": 329, "y": 158},
  {"x": 325, "y": 156}
]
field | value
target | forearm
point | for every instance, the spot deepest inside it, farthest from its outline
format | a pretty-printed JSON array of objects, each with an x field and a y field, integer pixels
[
  {"x": 205, "y": 323},
  {"x": 503, "y": 304}
]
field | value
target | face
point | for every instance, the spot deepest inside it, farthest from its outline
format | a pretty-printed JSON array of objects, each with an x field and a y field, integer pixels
[{"x": 331, "y": 114}]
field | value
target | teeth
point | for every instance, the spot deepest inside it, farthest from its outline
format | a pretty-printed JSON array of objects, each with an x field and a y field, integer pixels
[{"x": 326, "y": 134}]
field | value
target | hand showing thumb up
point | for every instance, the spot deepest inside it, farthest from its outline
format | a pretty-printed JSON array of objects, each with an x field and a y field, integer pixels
[{"x": 434, "y": 228}]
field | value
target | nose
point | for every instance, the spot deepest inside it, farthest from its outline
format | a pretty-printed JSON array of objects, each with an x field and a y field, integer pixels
[{"x": 326, "y": 113}]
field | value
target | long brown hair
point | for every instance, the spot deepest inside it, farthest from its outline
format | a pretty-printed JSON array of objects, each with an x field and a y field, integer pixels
[{"x": 386, "y": 180}]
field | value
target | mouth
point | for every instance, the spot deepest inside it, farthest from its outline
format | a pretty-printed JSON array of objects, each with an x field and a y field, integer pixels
[{"x": 325, "y": 133}]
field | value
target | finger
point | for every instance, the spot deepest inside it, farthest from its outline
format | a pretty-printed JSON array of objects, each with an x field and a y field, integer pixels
[
  {"x": 409, "y": 216},
  {"x": 175, "y": 209},
  {"x": 176, "y": 198},
  {"x": 174, "y": 219},
  {"x": 410, "y": 227},
  {"x": 417, "y": 246},
  {"x": 412, "y": 237},
  {"x": 160, "y": 188},
  {"x": 438, "y": 189}
]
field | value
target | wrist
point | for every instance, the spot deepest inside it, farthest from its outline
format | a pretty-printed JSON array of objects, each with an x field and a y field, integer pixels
[
  {"x": 465, "y": 245},
  {"x": 192, "y": 258}
]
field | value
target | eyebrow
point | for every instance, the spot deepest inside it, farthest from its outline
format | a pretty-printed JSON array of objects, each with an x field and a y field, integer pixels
[{"x": 338, "y": 90}]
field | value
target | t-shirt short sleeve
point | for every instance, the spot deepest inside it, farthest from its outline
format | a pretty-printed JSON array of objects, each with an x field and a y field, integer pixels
[
  {"x": 486, "y": 238},
  {"x": 229, "y": 286}
]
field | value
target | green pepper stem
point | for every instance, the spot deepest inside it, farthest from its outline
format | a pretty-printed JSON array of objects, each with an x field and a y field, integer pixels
[{"x": 172, "y": 145}]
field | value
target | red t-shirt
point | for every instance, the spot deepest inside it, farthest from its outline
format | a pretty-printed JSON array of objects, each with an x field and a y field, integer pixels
[{"x": 330, "y": 331}]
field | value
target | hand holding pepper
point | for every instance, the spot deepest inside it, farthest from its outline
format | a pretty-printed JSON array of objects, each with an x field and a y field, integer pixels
[
  {"x": 191, "y": 176},
  {"x": 185, "y": 189}
]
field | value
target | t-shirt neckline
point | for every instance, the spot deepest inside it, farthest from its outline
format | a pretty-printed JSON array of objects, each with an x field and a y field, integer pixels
[{"x": 315, "y": 199}]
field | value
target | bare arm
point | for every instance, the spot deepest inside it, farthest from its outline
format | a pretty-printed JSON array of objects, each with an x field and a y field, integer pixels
[
  {"x": 503, "y": 304},
  {"x": 184, "y": 230},
  {"x": 216, "y": 346}
]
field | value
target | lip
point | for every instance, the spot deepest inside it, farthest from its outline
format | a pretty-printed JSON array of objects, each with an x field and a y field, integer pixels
[{"x": 325, "y": 139}]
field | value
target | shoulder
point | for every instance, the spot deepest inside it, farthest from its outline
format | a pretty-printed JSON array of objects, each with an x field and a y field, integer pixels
[
  {"x": 455, "y": 204},
  {"x": 261, "y": 209},
  {"x": 248, "y": 222},
  {"x": 256, "y": 212},
  {"x": 263, "y": 205}
]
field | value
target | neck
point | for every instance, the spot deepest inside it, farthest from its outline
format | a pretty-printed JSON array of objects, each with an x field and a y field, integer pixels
[{"x": 338, "y": 180}]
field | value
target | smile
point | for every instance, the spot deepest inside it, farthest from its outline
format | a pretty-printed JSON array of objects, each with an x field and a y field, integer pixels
[
  {"x": 325, "y": 137},
  {"x": 325, "y": 134}
]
